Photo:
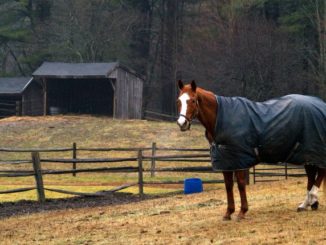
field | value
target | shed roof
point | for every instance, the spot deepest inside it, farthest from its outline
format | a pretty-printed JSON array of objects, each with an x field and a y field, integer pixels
[
  {"x": 14, "y": 85},
  {"x": 77, "y": 70}
]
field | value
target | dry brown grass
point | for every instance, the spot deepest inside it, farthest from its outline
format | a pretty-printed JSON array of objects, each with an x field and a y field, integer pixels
[
  {"x": 86, "y": 131},
  {"x": 179, "y": 219},
  {"x": 174, "y": 219}
]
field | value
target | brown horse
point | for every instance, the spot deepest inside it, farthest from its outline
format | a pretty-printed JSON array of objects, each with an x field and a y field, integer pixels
[{"x": 194, "y": 102}]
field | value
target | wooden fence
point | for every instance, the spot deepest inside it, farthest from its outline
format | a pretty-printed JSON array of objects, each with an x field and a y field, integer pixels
[
  {"x": 142, "y": 155},
  {"x": 157, "y": 116},
  {"x": 262, "y": 173}
]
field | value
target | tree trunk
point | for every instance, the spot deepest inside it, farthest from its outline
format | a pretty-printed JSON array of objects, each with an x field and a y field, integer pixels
[{"x": 168, "y": 66}]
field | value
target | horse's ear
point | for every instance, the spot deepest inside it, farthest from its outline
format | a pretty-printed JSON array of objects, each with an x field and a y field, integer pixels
[
  {"x": 193, "y": 85},
  {"x": 180, "y": 84}
]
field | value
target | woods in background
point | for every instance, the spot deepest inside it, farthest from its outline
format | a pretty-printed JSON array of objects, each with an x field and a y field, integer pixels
[{"x": 254, "y": 48}]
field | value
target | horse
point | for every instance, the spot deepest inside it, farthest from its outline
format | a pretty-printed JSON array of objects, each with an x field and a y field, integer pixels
[{"x": 286, "y": 122}]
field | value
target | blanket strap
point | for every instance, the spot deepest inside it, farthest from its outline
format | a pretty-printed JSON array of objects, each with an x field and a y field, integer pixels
[{"x": 257, "y": 154}]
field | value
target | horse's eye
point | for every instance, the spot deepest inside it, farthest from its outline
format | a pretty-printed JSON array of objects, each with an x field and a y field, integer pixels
[{"x": 193, "y": 101}]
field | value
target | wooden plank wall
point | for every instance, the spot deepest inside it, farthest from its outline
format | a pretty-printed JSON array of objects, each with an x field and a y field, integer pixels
[
  {"x": 128, "y": 95},
  {"x": 32, "y": 100},
  {"x": 8, "y": 105}
]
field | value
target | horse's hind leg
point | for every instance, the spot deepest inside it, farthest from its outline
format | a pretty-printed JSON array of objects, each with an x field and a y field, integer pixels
[
  {"x": 228, "y": 180},
  {"x": 313, "y": 185},
  {"x": 315, "y": 188},
  {"x": 311, "y": 174},
  {"x": 241, "y": 179}
]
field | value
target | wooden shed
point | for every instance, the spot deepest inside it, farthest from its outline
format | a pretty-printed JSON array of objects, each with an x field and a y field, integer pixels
[
  {"x": 20, "y": 96},
  {"x": 91, "y": 88}
]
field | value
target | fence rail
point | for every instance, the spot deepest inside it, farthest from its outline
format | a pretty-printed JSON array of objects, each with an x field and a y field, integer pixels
[
  {"x": 156, "y": 116},
  {"x": 146, "y": 154}
]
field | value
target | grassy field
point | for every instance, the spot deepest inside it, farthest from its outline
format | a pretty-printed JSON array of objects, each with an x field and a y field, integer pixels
[
  {"x": 163, "y": 216},
  {"x": 86, "y": 131}
]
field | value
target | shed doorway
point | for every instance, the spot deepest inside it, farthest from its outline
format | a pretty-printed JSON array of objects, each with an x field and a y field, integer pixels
[{"x": 80, "y": 96}]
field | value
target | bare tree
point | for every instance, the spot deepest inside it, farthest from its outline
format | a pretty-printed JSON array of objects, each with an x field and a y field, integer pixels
[
  {"x": 315, "y": 11},
  {"x": 91, "y": 30},
  {"x": 235, "y": 53}
]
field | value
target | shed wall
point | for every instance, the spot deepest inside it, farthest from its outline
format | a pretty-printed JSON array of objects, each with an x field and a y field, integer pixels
[
  {"x": 128, "y": 95},
  {"x": 8, "y": 105},
  {"x": 32, "y": 100}
]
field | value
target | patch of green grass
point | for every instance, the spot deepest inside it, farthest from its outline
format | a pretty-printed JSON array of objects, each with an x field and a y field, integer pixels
[
  {"x": 13, "y": 197},
  {"x": 32, "y": 195}
]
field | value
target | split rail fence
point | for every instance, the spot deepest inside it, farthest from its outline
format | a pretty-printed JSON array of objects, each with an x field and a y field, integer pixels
[{"x": 149, "y": 155}]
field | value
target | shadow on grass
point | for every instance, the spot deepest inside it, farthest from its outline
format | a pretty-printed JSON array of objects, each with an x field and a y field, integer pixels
[{"x": 23, "y": 207}]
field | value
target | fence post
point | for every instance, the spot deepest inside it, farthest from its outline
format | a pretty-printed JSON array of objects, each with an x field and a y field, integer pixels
[
  {"x": 286, "y": 170},
  {"x": 254, "y": 170},
  {"x": 153, "y": 163},
  {"x": 74, "y": 156},
  {"x": 140, "y": 173},
  {"x": 38, "y": 176}
]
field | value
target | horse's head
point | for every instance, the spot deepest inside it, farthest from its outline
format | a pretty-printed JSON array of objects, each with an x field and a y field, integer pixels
[{"x": 187, "y": 104}]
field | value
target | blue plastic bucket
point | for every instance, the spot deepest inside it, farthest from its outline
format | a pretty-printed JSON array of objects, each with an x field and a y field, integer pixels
[{"x": 193, "y": 185}]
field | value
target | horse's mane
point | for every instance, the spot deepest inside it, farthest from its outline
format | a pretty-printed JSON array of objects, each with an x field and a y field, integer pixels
[{"x": 204, "y": 92}]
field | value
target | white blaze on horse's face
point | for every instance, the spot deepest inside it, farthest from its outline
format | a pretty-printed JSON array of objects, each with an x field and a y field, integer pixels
[{"x": 182, "y": 121}]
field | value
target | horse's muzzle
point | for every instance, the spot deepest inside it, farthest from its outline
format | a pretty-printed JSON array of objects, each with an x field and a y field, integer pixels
[{"x": 185, "y": 126}]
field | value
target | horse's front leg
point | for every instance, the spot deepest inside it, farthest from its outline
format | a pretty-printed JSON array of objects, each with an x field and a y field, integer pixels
[
  {"x": 241, "y": 179},
  {"x": 228, "y": 180}
]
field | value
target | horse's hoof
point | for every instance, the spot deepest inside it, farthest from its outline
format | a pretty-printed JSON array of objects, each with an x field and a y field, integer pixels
[
  {"x": 240, "y": 217},
  {"x": 315, "y": 205},
  {"x": 299, "y": 209},
  {"x": 226, "y": 218}
]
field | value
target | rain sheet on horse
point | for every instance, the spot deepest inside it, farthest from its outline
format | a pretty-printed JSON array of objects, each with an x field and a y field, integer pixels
[{"x": 288, "y": 129}]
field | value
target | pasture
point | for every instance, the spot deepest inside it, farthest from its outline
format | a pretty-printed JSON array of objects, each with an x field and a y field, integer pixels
[
  {"x": 162, "y": 216},
  {"x": 176, "y": 219}
]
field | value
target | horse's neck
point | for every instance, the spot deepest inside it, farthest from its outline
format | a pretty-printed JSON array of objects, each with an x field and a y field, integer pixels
[{"x": 207, "y": 112}]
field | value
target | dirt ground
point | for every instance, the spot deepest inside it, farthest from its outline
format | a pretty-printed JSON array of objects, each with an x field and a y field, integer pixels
[
  {"x": 173, "y": 219},
  {"x": 27, "y": 207}
]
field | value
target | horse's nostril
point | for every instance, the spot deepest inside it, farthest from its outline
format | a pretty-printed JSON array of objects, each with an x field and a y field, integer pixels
[
  {"x": 181, "y": 122},
  {"x": 184, "y": 126}
]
